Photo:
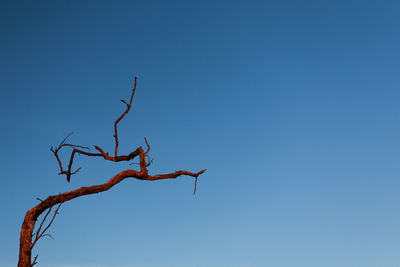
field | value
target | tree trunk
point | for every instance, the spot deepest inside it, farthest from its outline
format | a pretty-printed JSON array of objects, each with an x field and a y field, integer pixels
[{"x": 25, "y": 245}]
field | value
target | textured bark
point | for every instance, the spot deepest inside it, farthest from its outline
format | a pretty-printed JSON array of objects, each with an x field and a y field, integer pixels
[
  {"x": 25, "y": 245},
  {"x": 28, "y": 237}
]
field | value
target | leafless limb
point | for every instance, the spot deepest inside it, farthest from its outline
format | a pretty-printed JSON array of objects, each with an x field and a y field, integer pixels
[
  {"x": 195, "y": 186},
  {"x": 35, "y": 260},
  {"x": 39, "y": 233},
  {"x": 128, "y": 107},
  {"x": 31, "y": 216}
]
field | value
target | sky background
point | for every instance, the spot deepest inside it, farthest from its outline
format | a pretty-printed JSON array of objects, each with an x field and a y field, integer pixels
[{"x": 292, "y": 106}]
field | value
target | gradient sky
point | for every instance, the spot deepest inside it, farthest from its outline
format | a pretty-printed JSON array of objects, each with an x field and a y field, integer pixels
[{"x": 292, "y": 106}]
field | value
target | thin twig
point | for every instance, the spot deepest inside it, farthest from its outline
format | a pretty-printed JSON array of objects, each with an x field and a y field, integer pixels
[
  {"x": 75, "y": 146},
  {"x": 35, "y": 260},
  {"x": 128, "y": 107},
  {"x": 148, "y": 146},
  {"x": 40, "y": 226},
  {"x": 195, "y": 185},
  {"x": 41, "y": 234}
]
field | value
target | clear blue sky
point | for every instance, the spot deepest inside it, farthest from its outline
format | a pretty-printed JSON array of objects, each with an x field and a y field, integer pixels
[{"x": 292, "y": 106}]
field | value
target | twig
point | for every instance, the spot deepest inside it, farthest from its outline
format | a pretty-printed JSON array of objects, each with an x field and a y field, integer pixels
[
  {"x": 41, "y": 234},
  {"x": 35, "y": 260},
  {"x": 195, "y": 185},
  {"x": 148, "y": 146},
  {"x": 128, "y": 107}
]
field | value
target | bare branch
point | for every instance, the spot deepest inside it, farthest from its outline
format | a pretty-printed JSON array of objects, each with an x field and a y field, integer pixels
[
  {"x": 148, "y": 146},
  {"x": 31, "y": 216},
  {"x": 149, "y": 161},
  {"x": 195, "y": 185},
  {"x": 35, "y": 260},
  {"x": 40, "y": 226},
  {"x": 49, "y": 202},
  {"x": 43, "y": 233},
  {"x": 75, "y": 146},
  {"x": 49, "y": 235},
  {"x": 65, "y": 139},
  {"x": 123, "y": 101},
  {"x": 172, "y": 175},
  {"x": 94, "y": 189},
  {"x": 128, "y": 107},
  {"x": 55, "y": 151}
]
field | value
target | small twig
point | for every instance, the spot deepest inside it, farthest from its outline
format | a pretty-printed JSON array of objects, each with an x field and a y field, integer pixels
[
  {"x": 150, "y": 160},
  {"x": 65, "y": 139},
  {"x": 148, "y": 146},
  {"x": 123, "y": 101},
  {"x": 35, "y": 260},
  {"x": 128, "y": 107},
  {"x": 75, "y": 146},
  {"x": 49, "y": 235},
  {"x": 40, "y": 226},
  {"x": 77, "y": 170},
  {"x": 195, "y": 185},
  {"x": 43, "y": 233}
]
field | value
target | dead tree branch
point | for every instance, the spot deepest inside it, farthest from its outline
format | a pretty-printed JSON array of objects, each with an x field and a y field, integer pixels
[
  {"x": 128, "y": 107},
  {"x": 35, "y": 260},
  {"x": 31, "y": 216}
]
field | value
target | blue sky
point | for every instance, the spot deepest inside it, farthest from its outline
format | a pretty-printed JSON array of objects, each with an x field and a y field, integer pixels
[{"x": 292, "y": 106}]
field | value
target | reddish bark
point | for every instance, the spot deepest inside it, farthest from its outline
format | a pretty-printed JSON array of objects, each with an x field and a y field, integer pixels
[{"x": 28, "y": 225}]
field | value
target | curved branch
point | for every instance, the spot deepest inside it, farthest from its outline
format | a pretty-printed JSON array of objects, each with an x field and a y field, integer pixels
[
  {"x": 103, "y": 154},
  {"x": 95, "y": 189},
  {"x": 172, "y": 175},
  {"x": 32, "y": 214},
  {"x": 68, "y": 172}
]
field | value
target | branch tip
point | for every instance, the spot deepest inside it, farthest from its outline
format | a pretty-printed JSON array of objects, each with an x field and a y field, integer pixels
[
  {"x": 200, "y": 172},
  {"x": 148, "y": 146},
  {"x": 195, "y": 185}
]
